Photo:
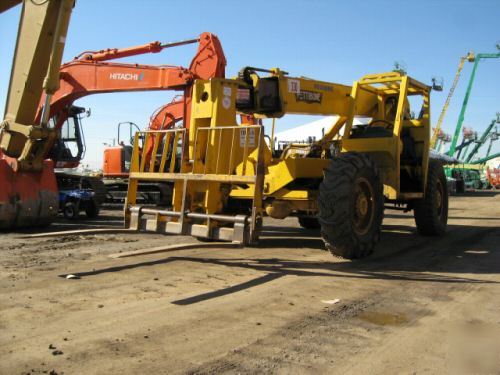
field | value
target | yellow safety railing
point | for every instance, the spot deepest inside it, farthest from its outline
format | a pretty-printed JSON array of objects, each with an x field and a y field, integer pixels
[{"x": 231, "y": 155}]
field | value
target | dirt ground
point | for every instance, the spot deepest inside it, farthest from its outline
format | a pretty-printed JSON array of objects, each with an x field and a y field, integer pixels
[{"x": 418, "y": 305}]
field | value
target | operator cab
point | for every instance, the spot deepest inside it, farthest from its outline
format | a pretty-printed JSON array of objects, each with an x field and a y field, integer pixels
[{"x": 69, "y": 148}]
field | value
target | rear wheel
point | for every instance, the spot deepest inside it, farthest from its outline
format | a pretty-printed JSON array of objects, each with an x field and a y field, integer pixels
[
  {"x": 309, "y": 222},
  {"x": 431, "y": 212},
  {"x": 71, "y": 211},
  {"x": 351, "y": 206}
]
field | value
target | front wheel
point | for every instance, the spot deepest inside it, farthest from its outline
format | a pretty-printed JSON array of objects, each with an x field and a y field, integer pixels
[
  {"x": 351, "y": 205},
  {"x": 431, "y": 212},
  {"x": 71, "y": 211}
]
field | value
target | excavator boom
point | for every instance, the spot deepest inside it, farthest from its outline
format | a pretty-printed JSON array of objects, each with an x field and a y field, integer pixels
[
  {"x": 28, "y": 190},
  {"x": 37, "y": 57},
  {"x": 94, "y": 73}
]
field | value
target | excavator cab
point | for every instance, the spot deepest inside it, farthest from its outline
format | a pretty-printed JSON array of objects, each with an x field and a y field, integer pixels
[{"x": 69, "y": 148}]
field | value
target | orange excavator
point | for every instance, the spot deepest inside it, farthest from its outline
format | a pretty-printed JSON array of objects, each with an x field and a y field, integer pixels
[
  {"x": 116, "y": 158},
  {"x": 40, "y": 97},
  {"x": 92, "y": 73}
]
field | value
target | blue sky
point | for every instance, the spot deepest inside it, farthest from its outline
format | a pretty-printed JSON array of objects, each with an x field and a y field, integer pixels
[{"x": 337, "y": 41}]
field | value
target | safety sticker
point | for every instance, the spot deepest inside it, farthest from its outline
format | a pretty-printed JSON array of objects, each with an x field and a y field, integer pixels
[
  {"x": 226, "y": 101},
  {"x": 294, "y": 86},
  {"x": 251, "y": 137}
]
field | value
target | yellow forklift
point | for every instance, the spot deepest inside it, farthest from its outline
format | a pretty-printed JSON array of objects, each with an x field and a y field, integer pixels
[{"x": 227, "y": 177}]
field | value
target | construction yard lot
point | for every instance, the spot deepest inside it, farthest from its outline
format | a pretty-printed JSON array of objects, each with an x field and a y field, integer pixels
[{"x": 418, "y": 305}]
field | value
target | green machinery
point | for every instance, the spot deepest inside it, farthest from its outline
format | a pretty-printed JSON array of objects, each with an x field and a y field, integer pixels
[
  {"x": 469, "y": 173},
  {"x": 476, "y": 58},
  {"x": 482, "y": 140}
]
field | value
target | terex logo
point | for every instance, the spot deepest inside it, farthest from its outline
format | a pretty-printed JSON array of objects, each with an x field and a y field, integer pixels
[{"x": 126, "y": 76}]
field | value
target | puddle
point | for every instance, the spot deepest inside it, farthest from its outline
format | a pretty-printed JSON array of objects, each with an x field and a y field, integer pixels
[{"x": 383, "y": 319}]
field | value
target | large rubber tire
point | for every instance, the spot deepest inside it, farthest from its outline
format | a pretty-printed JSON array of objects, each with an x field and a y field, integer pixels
[
  {"x": 431, "y": 212},
  {"x": 309, "y": 222},
  {"x": 351, "y": 205},
  {"x": 71, "y": 211}
]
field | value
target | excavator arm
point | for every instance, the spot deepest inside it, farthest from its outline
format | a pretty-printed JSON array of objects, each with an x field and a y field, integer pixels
[
  {"x": 39, "y": 48},
  {"x": 92, "y": 73},
  {"x": 28, "y": 190},
  {"x": 82, "y": 78},
  {"x": 168, "y": 115}
]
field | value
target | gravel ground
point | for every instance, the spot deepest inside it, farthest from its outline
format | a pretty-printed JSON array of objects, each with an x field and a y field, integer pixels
[{"x": 418, "y": 305}]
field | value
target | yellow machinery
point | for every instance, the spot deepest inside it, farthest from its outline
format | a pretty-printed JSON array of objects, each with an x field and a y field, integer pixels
[
  {"x": 227, "y": 177},
  {"x": 39, "y": 50},
  {"x": 470, "y": 57},
  {"x": 28, "y": 190}
]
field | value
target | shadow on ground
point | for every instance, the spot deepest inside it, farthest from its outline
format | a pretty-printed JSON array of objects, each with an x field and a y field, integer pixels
[
  {"x": 62, "y": 224},
  {"x": 401, "y": 255}
]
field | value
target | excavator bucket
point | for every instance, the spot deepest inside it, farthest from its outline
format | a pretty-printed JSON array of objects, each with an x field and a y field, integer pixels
[{"x": 26, "y": 198}]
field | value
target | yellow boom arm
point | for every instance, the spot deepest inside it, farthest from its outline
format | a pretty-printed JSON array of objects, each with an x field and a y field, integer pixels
[{"x": 37, "y": 58}]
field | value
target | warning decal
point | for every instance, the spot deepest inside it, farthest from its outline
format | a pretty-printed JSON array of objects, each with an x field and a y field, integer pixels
[{"x": 251, "y": 137}]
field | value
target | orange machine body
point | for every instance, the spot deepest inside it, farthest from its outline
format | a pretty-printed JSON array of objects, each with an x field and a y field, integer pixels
[
  {"x": 31, "y": 198},
  {"x": 115, "y": 162},
  {"x": 116, "y": 159}
]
